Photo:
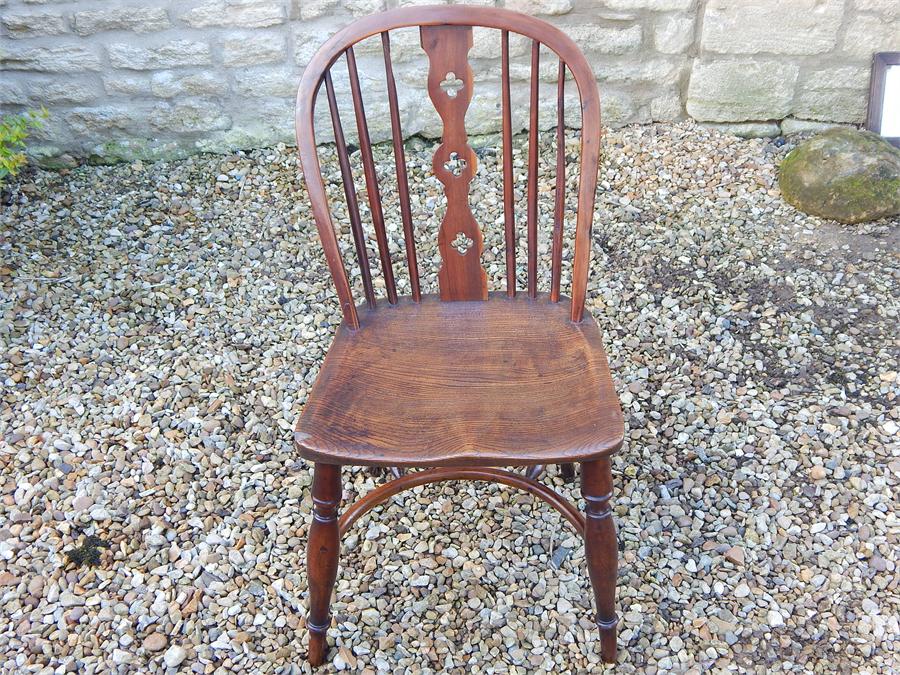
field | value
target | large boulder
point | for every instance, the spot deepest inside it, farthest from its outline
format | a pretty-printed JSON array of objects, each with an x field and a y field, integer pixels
[{"x": 843, "y": 174}]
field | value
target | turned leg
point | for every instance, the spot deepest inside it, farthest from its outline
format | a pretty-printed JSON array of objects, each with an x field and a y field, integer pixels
[
  {"x": 322, "y": 555},
  {"x": 601, "y": 549}
]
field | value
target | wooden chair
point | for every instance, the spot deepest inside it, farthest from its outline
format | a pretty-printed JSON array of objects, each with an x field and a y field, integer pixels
[{"x": 469, "y": 381}]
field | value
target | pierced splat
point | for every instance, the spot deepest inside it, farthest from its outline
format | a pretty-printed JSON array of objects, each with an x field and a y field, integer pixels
[
  {"x": 461, "y": 276},
  {"x": 462, "y": 243},
  {"x": 455, "y": 164},
  {"x": 451, "y": 84}
]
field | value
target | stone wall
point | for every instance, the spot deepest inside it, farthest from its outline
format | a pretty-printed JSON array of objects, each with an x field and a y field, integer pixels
[{"x": 167, "y": 77}]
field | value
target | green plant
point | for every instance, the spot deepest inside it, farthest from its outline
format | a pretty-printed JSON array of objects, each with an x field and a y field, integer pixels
[{"x": 13, "y": 132}]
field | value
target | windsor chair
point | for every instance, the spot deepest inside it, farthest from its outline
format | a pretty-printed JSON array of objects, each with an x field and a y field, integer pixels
[{"x": 465, "y": 382}]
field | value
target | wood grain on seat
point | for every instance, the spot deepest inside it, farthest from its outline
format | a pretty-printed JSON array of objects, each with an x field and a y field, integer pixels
[{"x": 497, "y": 382}]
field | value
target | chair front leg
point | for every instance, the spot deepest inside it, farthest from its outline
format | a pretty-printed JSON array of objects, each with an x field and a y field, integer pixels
[
  {"x": 601, "y": 549},
  {"x": 322, "y": 555}
]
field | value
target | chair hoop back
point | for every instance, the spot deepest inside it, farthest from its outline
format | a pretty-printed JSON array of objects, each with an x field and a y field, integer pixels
[{"x": 446, "y": 37}]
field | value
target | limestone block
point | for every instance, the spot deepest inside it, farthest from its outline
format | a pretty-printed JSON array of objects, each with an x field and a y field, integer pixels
[
  {"x": 797, "y": 27},
  {"x": 540, "y": 7},
  {"x": 168, "y": 55},
  {"x": 834, "y": 105},
  {"x": 12, "y": 93},
  {"x": 127, "y": 84},
  {"x": 665, "y": 108},
  {"x": 653, "y": 5},
  {"x": 168, "y": 84},
  {"x": 606, "y": 40},
  {"x": 736, "y": 91},
  {"x": 251, "y": 49},
  {"x": 848, "y": 77},
  {"x": 97, "y": 122},
  {"x": 868, "y": 34},
  {"x": 59, "y": 59},
  {"x": 189, "y": 115},
  {"x": 137, "y": 19},
  {"x": 791, "y": 126},
  {"x": 747, "y": 129},
  {"x": 889, "y": 8},
  {"x": 236, "y": 13},
  {"x": 364, "y": 7},
  {"x": 674, "y": 34},
  {"x": 313, "y": 9},
  {"x": 34, "y": 25},
  {"x": 48, "y": 90},
  {"x": 254, "y": 82}
]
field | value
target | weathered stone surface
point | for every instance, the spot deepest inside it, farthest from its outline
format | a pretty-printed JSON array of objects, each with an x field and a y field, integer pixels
[
  {"x": 12, "y": 94},
  {"x": 169, "y": 55},
  {"x": 34, "y": 25},
  {"x": 606, "y": 40},
  {"x": 735, "y": 91},
  {"x": 137, "y": 19},
  {"x": 251, "y": 49},
  {"x": 889, "y": 8},
  {"x": 848, "y": 77},
  {"x": 834, "y": 105},
  {"x": 545, "y": 7},
  {"x": 53, "y": 91},
  {"x": 666, "y": 108},
  {"x": 868, "y": 34},
  {"x": 654, "y": 5},
  {"x": 807, "y": 27},
  {"x": 237, "y": 13},
  {"x": 674, "y": 34},
  {"x": 97, "y": 122},
  {"x": 747, "y": 129},
  {"x": 792, "y": 126},
  {"x": 130, "y": 84},
  {"x": 61, "y": 59},
  {"x": 189, "y": 115},
  {"x": 266, "y": 82},
  {"x": 843, "y": 174},
  {"x": 168, "y": 84},
  {"x": 313, "y": 9},
  {"x": 364, "y": 7}
]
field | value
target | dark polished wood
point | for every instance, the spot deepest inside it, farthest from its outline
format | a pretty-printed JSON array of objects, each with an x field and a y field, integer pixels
[
  {"x": 463, "y": 382},
  {"x": 461, "y": 276},
  {"x": 409, "y": 237},
  {"x": 441, "y": 474},
  {"x": 509, "y": 191},
  {"x": 518, "y": 385},
  {"x": 322, "y": 555},
  {"x": 368, "y": 161},
  {"x": 600, "y": 549},
  {"x": 359, "y": 237},
  {"x": 549, "y": 36},
  {"x": 532, "y": 205}
]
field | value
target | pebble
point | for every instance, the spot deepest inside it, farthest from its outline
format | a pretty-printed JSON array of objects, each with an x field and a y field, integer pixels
[
  {"x": 174, "y": 656},
  {"x": 155, "y": 642},
  {"x": 162, "y": 327}
]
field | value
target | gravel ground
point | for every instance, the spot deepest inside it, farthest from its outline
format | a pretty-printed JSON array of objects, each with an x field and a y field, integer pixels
[{"x": 161, "y": 326}]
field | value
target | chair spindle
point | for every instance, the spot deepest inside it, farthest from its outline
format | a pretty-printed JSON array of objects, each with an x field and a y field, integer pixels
[
  {"x": 533, "y": 171},
  {"x": 402, "y": 177},
  {"x": 365, "y": 147},
  {"x": 509, "y": 195},
  {"x": 560, "y": 197},
  {"x": 359, "y": 237}
]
